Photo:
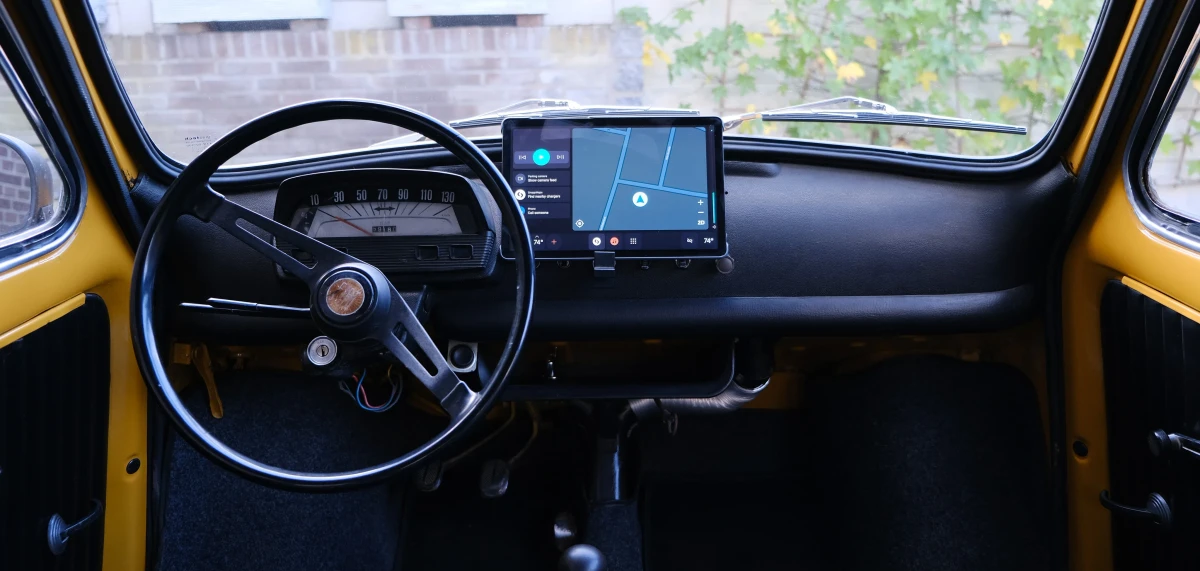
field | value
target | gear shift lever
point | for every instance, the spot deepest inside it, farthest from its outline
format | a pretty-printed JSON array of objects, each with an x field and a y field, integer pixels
[{"x": 582, "y": 557}]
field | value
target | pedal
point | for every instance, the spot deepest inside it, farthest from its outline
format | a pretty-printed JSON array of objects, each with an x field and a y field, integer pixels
[
  {"x": 493, "y": 479},
  {"x": 428, "y": 477}
]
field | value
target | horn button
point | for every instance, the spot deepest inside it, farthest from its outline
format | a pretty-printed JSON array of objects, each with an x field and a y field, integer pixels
[{"x": 345, "y": 297}]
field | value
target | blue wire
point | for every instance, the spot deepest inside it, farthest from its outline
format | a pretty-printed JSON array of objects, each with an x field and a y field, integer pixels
[{"x": 358, "y": 392}]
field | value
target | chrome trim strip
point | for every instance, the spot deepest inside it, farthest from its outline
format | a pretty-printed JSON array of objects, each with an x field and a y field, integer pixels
[
  {"x": 75, "y": 195},
  {"x": 1143, "y": 197}
]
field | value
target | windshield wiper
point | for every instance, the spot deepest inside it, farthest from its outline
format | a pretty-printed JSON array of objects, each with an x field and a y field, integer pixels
[
  {"x": 545, "y": 109},
  {"x": 867, "y": 111}
]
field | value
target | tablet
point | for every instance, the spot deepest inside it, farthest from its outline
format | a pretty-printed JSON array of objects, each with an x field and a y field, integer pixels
[{"x": 640, "y": 187}]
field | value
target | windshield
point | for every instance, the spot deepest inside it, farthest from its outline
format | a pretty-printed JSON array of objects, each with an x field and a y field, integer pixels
[{"x": 195, "y": 70}]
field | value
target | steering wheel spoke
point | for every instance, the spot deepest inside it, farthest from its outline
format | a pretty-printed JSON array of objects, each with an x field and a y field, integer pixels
[
  {"x": 211, "y": 206},
  {"x": 453, "y": 394}
]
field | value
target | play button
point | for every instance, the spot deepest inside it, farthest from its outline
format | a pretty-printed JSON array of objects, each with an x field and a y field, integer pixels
[{"x": 640, "y": 199}]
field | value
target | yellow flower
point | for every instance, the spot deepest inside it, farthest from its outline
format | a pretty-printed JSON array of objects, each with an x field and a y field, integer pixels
[
  {"x": 647, "y": 54},
  {"x": 850, "y": 72},
  {"x": 1007, "y": 103},
  {"x": 750, "y": 108},
  {"x": 755, "y": 39},
  {"x": 1005, "y": 37},
  {"x": 642, "y": 24},
  {"x": 773, "y": 27},
  {"x": 1196, "y": 84},
  {"x": 870, "y": 42},
  {"x": 1030, "y": 84},
  {"x": 743, "y": 67},
  {"x": 832, "y": 55},
  {"x": 926, "y": 79},
  {"x": 1069, "y": 44},
  {"x": 662, "y": 54},
  {"x": 791, "y": 18},
  {"x": 1046, "y": 3}
]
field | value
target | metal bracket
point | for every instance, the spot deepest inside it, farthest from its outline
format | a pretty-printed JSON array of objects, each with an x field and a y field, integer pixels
[{"x": 604, "y": 265}]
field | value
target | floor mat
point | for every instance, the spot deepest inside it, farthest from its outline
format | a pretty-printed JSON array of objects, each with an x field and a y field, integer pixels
[
  {"x": 919, "y": 463},
  {"x": 217, "y": 521},
  {"x": 932, "y": 463},
  {"x": 729, "y": 492}
]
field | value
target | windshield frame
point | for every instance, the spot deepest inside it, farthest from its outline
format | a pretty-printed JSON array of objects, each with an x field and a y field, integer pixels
[{"x": 1098, "y": 59}]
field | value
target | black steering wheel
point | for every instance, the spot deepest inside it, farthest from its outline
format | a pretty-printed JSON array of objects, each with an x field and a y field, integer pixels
[{"x": 350, "y": 300}]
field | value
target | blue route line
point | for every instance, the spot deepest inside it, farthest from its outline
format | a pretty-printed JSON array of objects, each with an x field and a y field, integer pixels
[
  {"x": 613, "y": 131},
  {"x": 612, "y": 192},
  {"x": 662, "y": 188},
  {"x": 662, "y": 176}
]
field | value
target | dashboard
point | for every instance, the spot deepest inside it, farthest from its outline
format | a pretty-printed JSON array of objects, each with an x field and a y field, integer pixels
[{"x": 816, "y": 250}]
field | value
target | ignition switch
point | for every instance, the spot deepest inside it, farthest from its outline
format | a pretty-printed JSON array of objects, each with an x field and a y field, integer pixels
[{"x": 321, "y": 351}]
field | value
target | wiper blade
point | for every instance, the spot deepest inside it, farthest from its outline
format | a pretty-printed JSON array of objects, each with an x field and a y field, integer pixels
[
  {"x": 560, "y": 109},
  {"x": 868, "y": 111},
  {"x": 546, "y": 109}
]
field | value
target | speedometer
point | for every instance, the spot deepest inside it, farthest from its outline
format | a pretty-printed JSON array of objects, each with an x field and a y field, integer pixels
[
  {"x": 377, "y": 218},
  {"x": 399, "y": 220}
]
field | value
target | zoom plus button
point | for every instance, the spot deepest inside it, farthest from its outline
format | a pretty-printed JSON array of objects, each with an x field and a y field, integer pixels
[{"x": 595, "y": 241}]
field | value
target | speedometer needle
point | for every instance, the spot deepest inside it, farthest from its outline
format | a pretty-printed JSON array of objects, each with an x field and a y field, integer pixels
[{"x": 349, "y": 223}]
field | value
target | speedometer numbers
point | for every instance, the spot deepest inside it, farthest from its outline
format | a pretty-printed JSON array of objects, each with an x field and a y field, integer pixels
[{"x": 397, "y": 211}]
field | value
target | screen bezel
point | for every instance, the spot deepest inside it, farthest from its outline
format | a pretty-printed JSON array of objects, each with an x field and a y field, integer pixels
[{"x": 716, "y": 170}]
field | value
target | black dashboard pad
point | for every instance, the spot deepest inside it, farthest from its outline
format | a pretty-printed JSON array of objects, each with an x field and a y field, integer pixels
[{"x": 646, "y": 187}]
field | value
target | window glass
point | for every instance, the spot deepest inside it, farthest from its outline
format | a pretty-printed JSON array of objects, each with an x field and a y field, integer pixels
[
  {"x": 1175, "y": 166},
  {"x": 31, "y": 188},
  {"x": 195, "y": 70}
]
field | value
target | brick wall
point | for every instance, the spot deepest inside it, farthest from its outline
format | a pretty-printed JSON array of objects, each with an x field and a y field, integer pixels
[
  {"x": 15, "y": 194},
  {"x": 191, "y": 88}
]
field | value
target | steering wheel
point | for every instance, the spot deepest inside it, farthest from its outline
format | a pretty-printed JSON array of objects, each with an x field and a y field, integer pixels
[{"x": 350, "y": 300}]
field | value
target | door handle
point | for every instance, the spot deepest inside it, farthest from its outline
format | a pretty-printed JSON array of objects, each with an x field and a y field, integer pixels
[
  {"x": 58, "y": 532},
  {"x": 1161, "y": 443},
  {"x": 1157, "y": 510}
]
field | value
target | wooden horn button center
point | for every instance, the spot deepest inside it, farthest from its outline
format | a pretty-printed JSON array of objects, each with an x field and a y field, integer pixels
[{"x": 345, "y": 296}]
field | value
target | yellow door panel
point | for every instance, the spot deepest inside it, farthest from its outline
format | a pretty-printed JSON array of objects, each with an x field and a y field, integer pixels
[{"x": 96, "y": 259}]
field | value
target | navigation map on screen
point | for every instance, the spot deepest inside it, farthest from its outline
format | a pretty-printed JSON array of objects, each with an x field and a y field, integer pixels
[{"x": 639, "y": 179}]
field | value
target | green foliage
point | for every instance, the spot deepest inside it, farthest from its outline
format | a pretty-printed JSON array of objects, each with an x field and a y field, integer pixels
[
  {"x": 1178, "y": 143},
  {"x": 1010, "y": 61}
]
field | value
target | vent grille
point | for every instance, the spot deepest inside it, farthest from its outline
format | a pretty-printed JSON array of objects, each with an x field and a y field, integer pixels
[{"x": 54, "y": 396}]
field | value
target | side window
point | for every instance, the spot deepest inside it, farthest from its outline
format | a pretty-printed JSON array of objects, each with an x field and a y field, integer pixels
[
  {"x": 32, "y": 195},
  {"x": 1174, "y": 175}
]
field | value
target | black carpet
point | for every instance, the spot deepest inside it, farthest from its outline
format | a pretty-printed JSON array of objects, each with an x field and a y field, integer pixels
[
  {"x": 217, "y": 521},
  {"x": 919, "y": 463},
  {"x": 931, "y": 463},
  {"x": 729, "y": 492}
]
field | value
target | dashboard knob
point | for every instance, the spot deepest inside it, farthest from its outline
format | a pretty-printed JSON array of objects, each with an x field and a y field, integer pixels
[
  {"x": 725, "y": 265},
  {"x": 461, "y": 356}
]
